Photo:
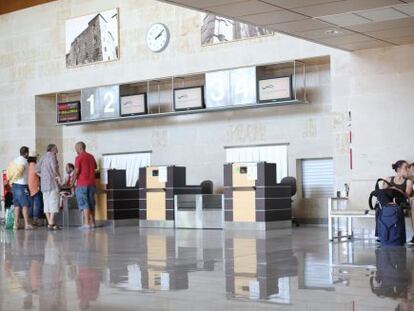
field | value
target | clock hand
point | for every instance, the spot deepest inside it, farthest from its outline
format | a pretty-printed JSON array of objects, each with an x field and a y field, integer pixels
[{"x": 159, "y": 35}]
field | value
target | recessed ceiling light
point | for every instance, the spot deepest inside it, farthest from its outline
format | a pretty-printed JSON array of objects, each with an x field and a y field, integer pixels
[{"x": 333, "y": 32}]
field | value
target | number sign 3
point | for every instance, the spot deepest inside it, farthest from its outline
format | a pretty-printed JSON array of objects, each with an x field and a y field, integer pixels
[{"x": 100, "y": 103}]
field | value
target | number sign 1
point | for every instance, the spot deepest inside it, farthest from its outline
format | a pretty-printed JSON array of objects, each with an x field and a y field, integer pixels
[{"x": 100, "y": 103}]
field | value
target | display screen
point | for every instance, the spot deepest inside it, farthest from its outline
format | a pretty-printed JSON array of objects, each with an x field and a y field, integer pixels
[
  {"x": 68, "y": 112},
  {"x": 275, "y": 89},
  {"x": 189, "y": 98},
  {"x": 133, "y": 105},
  {"x": 155, "y": 173},
  {"x": 243, "y": 169}
]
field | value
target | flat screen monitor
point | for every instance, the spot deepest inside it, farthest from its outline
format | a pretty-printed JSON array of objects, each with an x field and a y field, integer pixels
[
  {"x": 68, "y": 112},
  {"x": 133, "y": 105},
  {"x": 189, "y": 98},
  {"x": 275, "y": 89}
]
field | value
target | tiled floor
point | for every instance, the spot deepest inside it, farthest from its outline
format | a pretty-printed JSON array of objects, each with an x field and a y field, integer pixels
[{"x": 149, "y": 269}]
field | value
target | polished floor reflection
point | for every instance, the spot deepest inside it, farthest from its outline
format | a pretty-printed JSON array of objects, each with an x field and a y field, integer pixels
[{"x": 150, "y": 269}]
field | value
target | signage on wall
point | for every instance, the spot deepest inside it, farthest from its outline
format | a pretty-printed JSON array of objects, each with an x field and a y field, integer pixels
[
  {"x": 217, "y": 88},
  {"x": 100, "y": 103},
  {"x": 243, "y": 86},
  {"x": 68, "y": 112},
  {"x": 231, "y": 87}
]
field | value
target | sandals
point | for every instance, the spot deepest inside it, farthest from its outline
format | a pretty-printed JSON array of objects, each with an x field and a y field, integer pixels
[
  {"x": 36, "y": 224},
  {"x": 53, "y": 227},
  {"x": 28, "y": 227}
]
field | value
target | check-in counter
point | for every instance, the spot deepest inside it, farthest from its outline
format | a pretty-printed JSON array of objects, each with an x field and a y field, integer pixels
[
  {"x": 122, "y": 201},
  {"x": 253, "y": 199},
  {"x": 101, "y": 208},
  {"x": 158, "y": 185},
  {"x": 200, "y": 211}
]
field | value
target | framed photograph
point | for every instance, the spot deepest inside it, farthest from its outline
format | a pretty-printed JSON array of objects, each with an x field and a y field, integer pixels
[
  {"x": 217, "y": 29},
  {"x": 189, "y": 98},
  {"x": 275, "y": 89},
  {"x": 133, "y": 105},
  {"x": 92, "y": 38},
  {"x": 68, "y": 112}
]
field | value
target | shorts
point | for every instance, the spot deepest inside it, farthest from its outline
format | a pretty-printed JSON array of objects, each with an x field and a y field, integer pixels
[
  {"x": 21, "y": 197},
  {"x": 51, "y": 201},
  {"x": 85, "y": 196}
]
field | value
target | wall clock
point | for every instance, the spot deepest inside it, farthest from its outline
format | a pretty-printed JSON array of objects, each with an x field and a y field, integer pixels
[{"x": 158, "y": 37}]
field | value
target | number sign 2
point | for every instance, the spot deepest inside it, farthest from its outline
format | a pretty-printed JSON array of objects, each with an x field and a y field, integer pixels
[{"x": 100, "y": 103}]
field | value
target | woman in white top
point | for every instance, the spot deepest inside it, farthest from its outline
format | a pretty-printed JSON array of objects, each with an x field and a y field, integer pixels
[{"x": 21, "y": 196}]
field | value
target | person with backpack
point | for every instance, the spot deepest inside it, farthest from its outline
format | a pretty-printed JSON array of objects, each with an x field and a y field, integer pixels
[
  {"x": 411, "y": 172},
  {"x": 402, "y": 182},
  {"x": 389, "y": 214},
  {"x": 17, "y": 174}
]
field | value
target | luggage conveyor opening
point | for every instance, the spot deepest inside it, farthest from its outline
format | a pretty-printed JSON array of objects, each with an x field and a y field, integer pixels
[{"x": 199, "y": 211}]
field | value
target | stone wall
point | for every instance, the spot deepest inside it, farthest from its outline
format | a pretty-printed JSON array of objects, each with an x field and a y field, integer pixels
[{"x": 375, "y": 85}]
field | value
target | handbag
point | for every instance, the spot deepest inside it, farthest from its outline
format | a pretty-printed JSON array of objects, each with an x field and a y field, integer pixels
[{"x": 9, "y": 218}]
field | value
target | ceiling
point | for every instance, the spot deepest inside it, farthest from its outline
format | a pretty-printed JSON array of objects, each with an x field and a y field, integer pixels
[
  {"x": 345, "y": 24},
  {"x": 7, "y": 6}
]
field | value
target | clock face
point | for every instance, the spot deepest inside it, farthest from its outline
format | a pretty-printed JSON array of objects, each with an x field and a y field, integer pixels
[{"x": 158, "y": 37}]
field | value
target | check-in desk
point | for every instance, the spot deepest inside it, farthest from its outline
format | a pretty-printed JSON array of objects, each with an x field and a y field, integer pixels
[
  {"x": 158, "y": 185},
  {"x": 101, "y": 208},
  {"x": 122, "y": 201},
  {"x": 253, "y": 200},
  {"x": 199, "y": 211}
]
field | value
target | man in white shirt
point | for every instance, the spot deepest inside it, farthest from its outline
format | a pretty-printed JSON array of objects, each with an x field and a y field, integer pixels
[{"x": 21, "y": 197}]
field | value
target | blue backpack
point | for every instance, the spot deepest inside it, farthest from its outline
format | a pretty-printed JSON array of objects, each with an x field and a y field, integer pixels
[{"x": 390, "y": 219}]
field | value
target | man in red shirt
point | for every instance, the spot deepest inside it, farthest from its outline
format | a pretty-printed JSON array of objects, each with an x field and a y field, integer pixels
[{"x": 85, "y": 166}]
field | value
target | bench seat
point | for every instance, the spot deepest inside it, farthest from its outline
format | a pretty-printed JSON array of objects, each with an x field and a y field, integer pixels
[{"x": 347, "y": 213}]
